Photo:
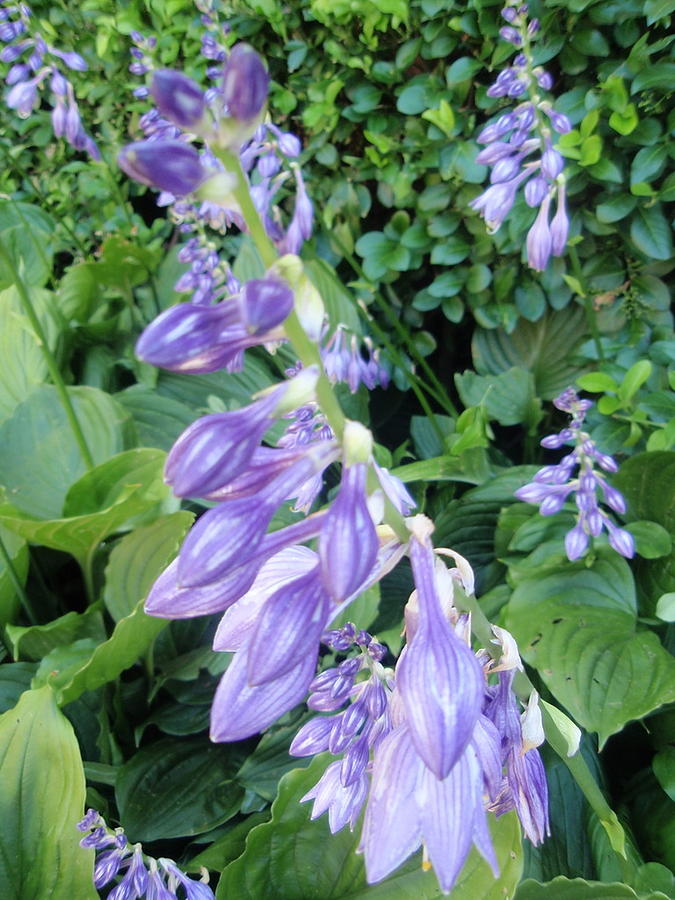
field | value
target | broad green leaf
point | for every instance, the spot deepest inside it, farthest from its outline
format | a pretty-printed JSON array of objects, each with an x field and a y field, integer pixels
[
  {"x": 227, "y": 848},
  {"x": 656, "y": 75},
  {"x": 17, "y": 550},
  {"x": 651, "y": 233},
  {"x": 651, "y": 539},
  {"x": 15, "y": 678},
  {"x": 23, "y": 362},
  {"x": 578, "y": 889},
  {"x": 340, "y": 305},
  {"x": 597, "y": 382},
  {"x": 263, "y": 769},
  {"x": 131, "y": 638},
  {"x": 545, "y": 348},
  {"x": 665, "y": 608},
  {"x": 138, "y": 559},
  {"x": 577, "y": 627},
  {"x": 98, "y": 504},
  {"x": 41, "y": 459},
  {"x": 27, "y": 233},
  {"x": 293, "y": 858},
  {"x": 42, "y": 793},
  {"x": 232, "y": 389},
  {"x": 615, "y": 208},
  {"x": 159, "y": 420},
  {"x": 648, "y": 163},
  {"x": 508, "y": 397},
  {"x": 658, "y": 9},
  {"x": 175, "y": 788},
  {"x": 35, "y": 641}
]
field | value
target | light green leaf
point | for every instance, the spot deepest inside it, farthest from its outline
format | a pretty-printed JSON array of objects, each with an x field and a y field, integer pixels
[
  {"x": 544, "y": 348},
  {"x": 508, "y": 397},
  {"x": 41, "y": 460},
  {"x": 35, "y": 641},
  {"x": 100, "y": 503},
  {"x": 159, "y": 420},
  {"x": 27, "y": 233},
  {"x": 665, "y": 608},
  {"x": 578, "y": 889},
  {"x": 568, "y": 731},
  {"x": 17, "y": 550},
  {"x": 292, "y": 858},
  {"x": 42, "y": 793},
  {"x": 597, "y": 382},
  {"x": 651, "y": 539},
  {"x": 138, "y": 559},
  {"x": 130, "y": 639},
  {"x": 173, "y": 788}
]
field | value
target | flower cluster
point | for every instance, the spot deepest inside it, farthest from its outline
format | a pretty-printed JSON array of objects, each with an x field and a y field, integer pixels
[
  {"x": 513, "y": 139},
  {"x": 421, "y": 744},
  {"x": 34, "y": 63},
  {"x": 141, "y": 875},
  {"x": 446, "y": 738},
  {"x": 552, "y": 485}
]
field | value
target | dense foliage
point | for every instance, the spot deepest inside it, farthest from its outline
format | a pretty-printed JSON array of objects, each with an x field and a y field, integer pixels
[{"x": 108, "y": 707}]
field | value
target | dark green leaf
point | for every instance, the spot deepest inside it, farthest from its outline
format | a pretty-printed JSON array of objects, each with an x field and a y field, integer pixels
[{"x": 651, "y": 233}]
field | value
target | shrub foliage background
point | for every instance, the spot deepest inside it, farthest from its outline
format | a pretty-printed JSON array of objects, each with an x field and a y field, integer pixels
[{"x": 387, "y": 98}]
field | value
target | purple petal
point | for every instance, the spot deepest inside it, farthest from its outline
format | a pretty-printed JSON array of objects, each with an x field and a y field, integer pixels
[
  {"x": 240, "y": 710},
  {"x": 348, "y": 543},
  {"x": 391, "y": 827},
  {"x": 178, "y": 97},
  {"x": 168, "y": 600}
]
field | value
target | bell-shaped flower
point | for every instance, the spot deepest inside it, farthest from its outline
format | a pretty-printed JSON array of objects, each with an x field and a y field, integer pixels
[
  {"x": 245, "y": 83},
  {"x": 439, "y": 679},
  {"x": 178, "y": 98},
  {"x": 288, "y": 628},
  {"x": 264, "y": 303},
  {"x": 348, "y": 542},
  {"x": 343, "y": 802},
  {"x": 241, "y": 710},
  {"x": 172, "y": 166}
]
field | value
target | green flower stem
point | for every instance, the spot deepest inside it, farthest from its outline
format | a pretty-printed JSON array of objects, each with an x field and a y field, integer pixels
[
  {"x": 588, "y": 303},
  {"x": 16, "y": 582},
  {"x": 306, "y": 350},
  {"x": 52, "y": 367},
  {"x": 576, "y": 764}
]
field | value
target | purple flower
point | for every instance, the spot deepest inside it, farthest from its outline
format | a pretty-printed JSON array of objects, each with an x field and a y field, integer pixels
[
  {"x": 168, "y": 165},
  {"x": 348, "y": 542},
  {"x": 440, "y": 681},
  {"x": 178, "y": 98},
  {"x": 245, "y": 83},
  {"x": 553, "y": 484},
  {"x": 265, "y": 303},
  {"x": 539, "y": 241}
]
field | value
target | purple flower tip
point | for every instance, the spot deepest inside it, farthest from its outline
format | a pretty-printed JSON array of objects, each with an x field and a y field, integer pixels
[
  {"x": 178, "y": 98},
  {"x": 245, "y": 83},
  {"x": 171, "y": 166}
]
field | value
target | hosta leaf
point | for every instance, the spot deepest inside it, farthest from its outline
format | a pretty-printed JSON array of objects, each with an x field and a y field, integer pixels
[
  {"x": 578, "y": 889},
  {"x": 576, "y": 625},
  {"x": 17, "y": 550},
  {"x": 544, "y": 348},
  {"x": 159, "y": 420},
  {"x": 173, "y": 788},
  {"x": 41, "y": 459},
  {"x": 139, "y": 558},
  {"x": 42, "y": 792},
  {"x": 103, "y": 500},
  {"x": 293, "y": 858}
]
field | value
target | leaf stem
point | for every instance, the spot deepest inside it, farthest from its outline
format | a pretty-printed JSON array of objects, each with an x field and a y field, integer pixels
[{"x": 52, "y": 367}]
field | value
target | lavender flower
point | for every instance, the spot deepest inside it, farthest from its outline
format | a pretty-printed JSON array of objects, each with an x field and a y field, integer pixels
[
  {"x": 528, "y": 132},
  {"x": 142, "y": 875},
  {"x": 552, "y": 485},
  {"x": 40, "y": 63}
]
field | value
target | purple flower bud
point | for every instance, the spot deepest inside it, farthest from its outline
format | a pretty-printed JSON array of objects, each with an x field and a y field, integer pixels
[
  {"x": 348, "y": 543},
  {"x": 73, "y": 60},
  {"x": 559, "y": 225},
  {"x": 605, "y": 462},
  {"x": 289, "y": 144},
  {"x": 553, "y": 503},
  {"x": 539, "y": 239},
  {"x": 171, "y": 166},
  {"x": 18, "y": 72},
  {"x": 245, "y": 83},
  {"x": 265, "y": 303},
  {"x": 535, "y": 190},
  {"x": 576, "y": 542},
  {"x": 559, "y": 121},
  {"x": 621, "y": 540},
  {"x": 505, "y": 169},
  {"x": 517, "y": 88},
  {"x": 545, "y": 80},
  {"x": 22, "y": 98},
  {"x": 178, "y": 98},
  {"x": 13, "y": 51},
  {"x": 216, "y": 448},
  {"x": 497, "y": 129},
  {"x": 510, "y": 14},
  {"x": 533, "y": 27},
  {"x": 493, "y": 153},
  {"x": 312, "y": 737},
  {"x": 511, "y": 35},
  {"x": 553, "y": 441},
  {"x": 552, "y": 163}
]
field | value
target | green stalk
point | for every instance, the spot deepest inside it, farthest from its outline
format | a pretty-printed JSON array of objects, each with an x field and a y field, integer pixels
[
  {"x": 16, "y": 583},
  {"x": 52, "y": 367}
]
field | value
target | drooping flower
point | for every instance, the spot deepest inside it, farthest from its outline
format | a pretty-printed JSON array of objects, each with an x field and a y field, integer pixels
[
  {"x": 517, "y": 136},
  {"x": 552, "y": 485},
  {"x": 140, "y": 876}
]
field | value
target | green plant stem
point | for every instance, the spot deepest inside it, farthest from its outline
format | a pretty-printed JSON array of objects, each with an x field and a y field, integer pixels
[
  {"x": 16, "y": 582},
  {"x": 52, "y": 367},
  {"x": 588, "y": 303}
]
